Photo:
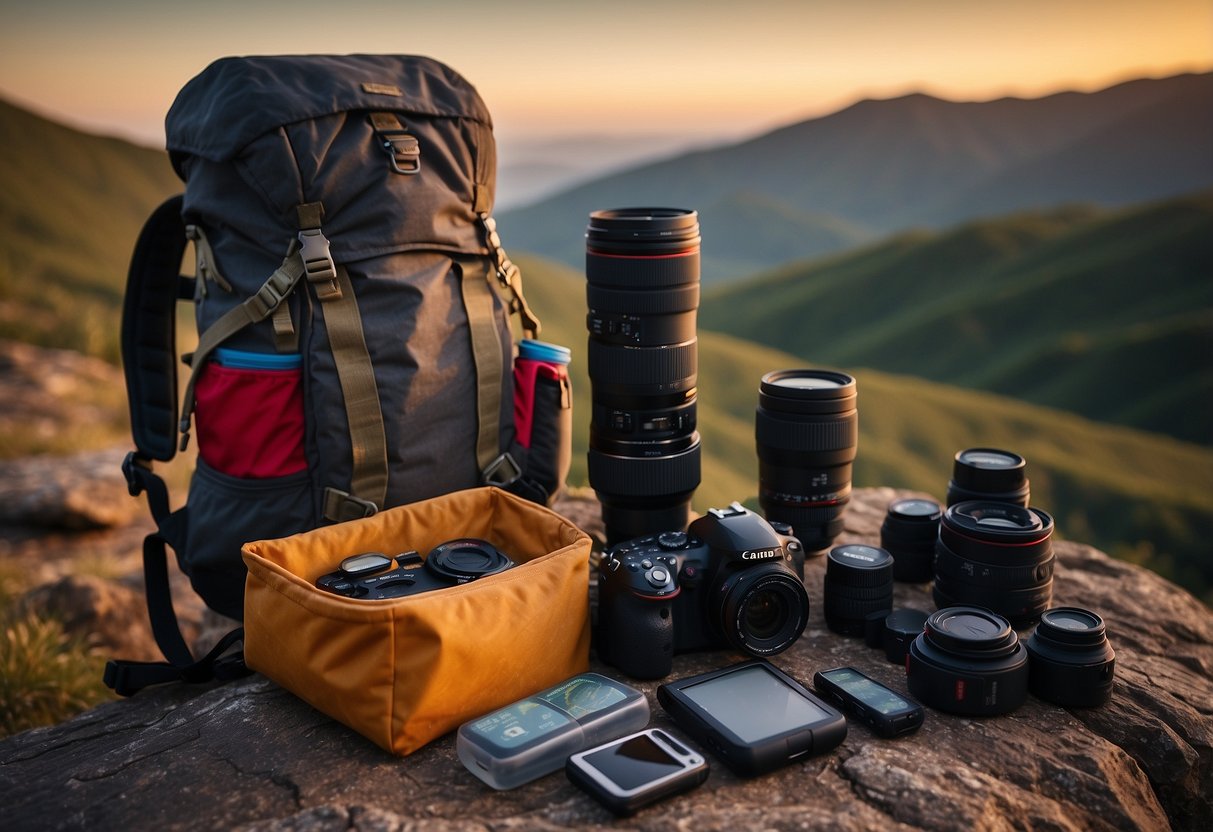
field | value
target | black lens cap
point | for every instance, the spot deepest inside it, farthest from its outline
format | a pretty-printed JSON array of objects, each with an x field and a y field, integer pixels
[
  {"x": 1071, "y": 625},
  {"x": 856, "y": 564},
  {"x": 467, "y": 558},
  {"x": 970, "y": 630}
]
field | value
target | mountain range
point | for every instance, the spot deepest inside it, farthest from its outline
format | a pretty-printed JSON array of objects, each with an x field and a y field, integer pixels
[
  {"x": 1104, "y": 313},
  {"x": 73, "y": 203},
  {"x": 881, "y": 166}
]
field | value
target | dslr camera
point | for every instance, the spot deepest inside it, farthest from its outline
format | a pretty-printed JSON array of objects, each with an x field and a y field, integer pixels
[
  {"x": 369, "y": 576},
  {"x": 731, "y": 580}
]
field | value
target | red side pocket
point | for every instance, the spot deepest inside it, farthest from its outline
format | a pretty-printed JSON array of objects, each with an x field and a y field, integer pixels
[{"x": 250, "y": 422}]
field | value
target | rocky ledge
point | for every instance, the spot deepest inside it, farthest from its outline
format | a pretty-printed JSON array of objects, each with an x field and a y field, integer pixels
[{"x": 250, "y": 755}]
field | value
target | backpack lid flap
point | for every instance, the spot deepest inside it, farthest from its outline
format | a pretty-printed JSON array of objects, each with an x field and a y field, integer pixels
[{"x": 235, "y": 100}]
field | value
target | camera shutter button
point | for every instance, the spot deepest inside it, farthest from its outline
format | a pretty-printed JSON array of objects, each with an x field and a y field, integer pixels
[{"x": 658, "y": 577}]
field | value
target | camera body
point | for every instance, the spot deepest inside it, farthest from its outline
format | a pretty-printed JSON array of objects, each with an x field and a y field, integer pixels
[{"x": 730, "y": 580}]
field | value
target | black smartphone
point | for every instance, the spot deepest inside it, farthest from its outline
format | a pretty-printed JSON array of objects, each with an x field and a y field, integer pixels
[
  {"x": 753, "y": 715},
  {"x": 627, "y": 774},
  {"x": 886, "y": 712}
]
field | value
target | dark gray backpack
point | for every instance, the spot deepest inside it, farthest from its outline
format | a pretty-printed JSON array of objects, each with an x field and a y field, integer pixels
[{"x": 353, "y": 352}]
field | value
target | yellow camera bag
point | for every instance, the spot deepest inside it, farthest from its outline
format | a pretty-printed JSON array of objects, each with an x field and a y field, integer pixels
[{"x": 404, "y": 671}]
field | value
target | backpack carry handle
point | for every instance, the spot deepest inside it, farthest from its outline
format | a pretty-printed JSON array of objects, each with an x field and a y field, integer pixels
[{"x": 154, "y": 284}]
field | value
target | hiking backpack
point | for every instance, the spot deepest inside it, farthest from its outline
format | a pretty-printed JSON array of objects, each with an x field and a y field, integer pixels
[{"x": 353, "y": 352}]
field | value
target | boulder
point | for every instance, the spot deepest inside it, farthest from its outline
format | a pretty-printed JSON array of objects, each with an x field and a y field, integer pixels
[
  {"x": 248, "y": 754},
  {"x": 85, "y": 490}
]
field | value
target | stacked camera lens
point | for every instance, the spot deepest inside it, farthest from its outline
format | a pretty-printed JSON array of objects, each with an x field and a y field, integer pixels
[
  {"x": 988, "y": 474},
  {"x": 807, "y": 431},
  {"x": 642, "y": 290},
  {"x": 968, "y": 661},
  {"x": 858, "y": 584},
  {"x": 1070, "y": 660},
  {"x": 908, "y": 533},
  {"x": 998, "y": 556}
]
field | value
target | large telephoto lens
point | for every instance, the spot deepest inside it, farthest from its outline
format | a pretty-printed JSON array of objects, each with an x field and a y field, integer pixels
[
  {"x": 807, "y": 430},
  {"x": 642, "y": 290},
  {"x": 998, "y": 556}
]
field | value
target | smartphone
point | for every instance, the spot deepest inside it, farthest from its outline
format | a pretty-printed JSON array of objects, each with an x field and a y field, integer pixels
[
  {"x": 886, "y": 712},
  {"x": 627, "y": 774},
  {"x": 753, "y": 716}
]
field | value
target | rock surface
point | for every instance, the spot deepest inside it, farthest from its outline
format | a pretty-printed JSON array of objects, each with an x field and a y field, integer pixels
[
  {"x": 83, "y": 491},
  {"x": 250, "y": 755}
]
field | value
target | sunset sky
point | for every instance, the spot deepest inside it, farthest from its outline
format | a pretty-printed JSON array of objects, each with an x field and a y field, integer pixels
[{"x": 704, "y": 70}]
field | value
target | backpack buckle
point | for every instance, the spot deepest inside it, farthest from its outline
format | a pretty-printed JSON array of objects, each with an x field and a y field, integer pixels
[
  {"x": 340, "y": 506},
  {"x": 318, "y": 262},
  {"x": 133, "y": 468},
  {"x": 403, "y": 153},
  {"x": 502, "y": 471}
]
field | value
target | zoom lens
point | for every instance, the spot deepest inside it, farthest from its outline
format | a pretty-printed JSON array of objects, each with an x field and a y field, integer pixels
[
  {"x": 908, "y": 533},
  {"x": 1070, "y": 660},
  {"x": 807, "y": 430},
  {"x": 988, "y": 474},
  {"x": 858, "y": 583},
  {"x": 763, "y": 609},
  {"x": 995, "y": 555},
  {"x": 968, "y": 661},
  {"x": 642, "y": 291}
]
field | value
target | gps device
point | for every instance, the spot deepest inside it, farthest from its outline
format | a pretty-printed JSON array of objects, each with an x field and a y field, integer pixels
[
  {"x": 534, "y": 736},
  {"x": 628, "y": 774},
  {"x": 884, "y": 711},
  {"x": 753, "y": 715}
]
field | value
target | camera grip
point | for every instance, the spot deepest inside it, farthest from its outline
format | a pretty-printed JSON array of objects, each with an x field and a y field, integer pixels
[{"x": 638, "y": 635}]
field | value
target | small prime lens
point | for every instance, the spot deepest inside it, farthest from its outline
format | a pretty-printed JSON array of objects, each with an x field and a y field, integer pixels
[
  {"x": 908, "y": 534},
  {"x": 968, "y": 661},
  {"x": 1071, "y": 661},
  {"x": 988, "y": 474},
  {"x": 642, "y": 293},
  {"x": 807, "y": 430},
  {"x": 858, "y": 583},
  {"x": 995, "y": 555}
]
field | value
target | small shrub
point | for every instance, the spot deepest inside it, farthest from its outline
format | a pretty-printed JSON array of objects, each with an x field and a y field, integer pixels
[{"x": 46, "y": 676}]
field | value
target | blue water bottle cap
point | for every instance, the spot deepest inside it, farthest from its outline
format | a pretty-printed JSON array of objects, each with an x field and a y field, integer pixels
[{"x": 543, "y": 351}]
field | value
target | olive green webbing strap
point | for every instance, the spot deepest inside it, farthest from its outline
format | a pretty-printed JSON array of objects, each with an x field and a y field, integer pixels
[
  {"x": 486, "y": 352},
  {"x": 256, "y": 308},
  {"x": 368, "y": 441}
]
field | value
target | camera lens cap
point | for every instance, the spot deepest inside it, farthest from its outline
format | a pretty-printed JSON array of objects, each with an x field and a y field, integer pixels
[
  {"x": 1071, "y": 626},
  {"x": 855, "y": 564},
  {"x": 970, "y": 630},
  {"x": 467, "y": 558}
]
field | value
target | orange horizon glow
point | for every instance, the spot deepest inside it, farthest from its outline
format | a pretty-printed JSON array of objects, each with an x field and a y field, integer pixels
[{"x": 708, "y": 69}]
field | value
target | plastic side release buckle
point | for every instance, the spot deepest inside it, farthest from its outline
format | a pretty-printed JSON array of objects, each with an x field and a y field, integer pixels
[
  {"x": 132, "y": 466},
  {"x": 318, "y": 263},
  {"x": 340, "y": 506},
  {"x": 502, "y": 471}
]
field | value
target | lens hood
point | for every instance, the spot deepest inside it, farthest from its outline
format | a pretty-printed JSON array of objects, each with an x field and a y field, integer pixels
[
  {"x": 1072, "y": 664},
  {"x": 968, "y": 661}
]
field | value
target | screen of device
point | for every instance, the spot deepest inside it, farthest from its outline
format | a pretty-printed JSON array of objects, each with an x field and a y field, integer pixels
[
  {"x": 867, "y": 691},
  {"x": 754, "y": 704},
  {"x": 634, "y": 762}
]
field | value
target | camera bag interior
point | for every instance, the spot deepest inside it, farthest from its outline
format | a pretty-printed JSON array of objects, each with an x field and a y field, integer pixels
[{"x": 404, "y": 671}]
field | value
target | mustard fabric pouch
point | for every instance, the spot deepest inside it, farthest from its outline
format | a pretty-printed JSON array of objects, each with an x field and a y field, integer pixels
[{"x": 404, "y": 671}]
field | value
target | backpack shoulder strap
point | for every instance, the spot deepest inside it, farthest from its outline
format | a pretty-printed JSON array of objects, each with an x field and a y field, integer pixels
[{"x": 149, "y": 330}]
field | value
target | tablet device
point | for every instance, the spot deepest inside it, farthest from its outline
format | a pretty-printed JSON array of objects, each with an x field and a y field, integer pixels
[{"x": 754, "y": 716}]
